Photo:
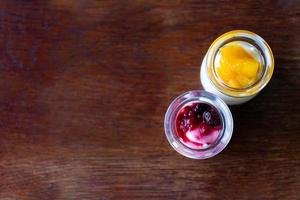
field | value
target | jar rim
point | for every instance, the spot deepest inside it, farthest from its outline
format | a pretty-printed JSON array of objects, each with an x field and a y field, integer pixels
[
  {"x": 204, "y": 97},
  {"x": 253, "y": 39}
]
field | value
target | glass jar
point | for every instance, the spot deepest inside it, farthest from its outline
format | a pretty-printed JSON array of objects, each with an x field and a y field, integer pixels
[
  {"x": 206, "y": 98},
  {"x": 212, "y": 83}
]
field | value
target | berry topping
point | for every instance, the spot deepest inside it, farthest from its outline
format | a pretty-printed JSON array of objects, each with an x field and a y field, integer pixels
[{"x": 198, "y": 125}]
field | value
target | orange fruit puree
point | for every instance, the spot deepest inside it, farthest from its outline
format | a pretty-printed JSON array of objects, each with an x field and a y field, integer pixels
[{"x": 237, "y": 68}]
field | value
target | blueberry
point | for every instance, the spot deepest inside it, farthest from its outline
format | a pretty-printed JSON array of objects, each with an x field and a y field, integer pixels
[
  {"x": 207, "y": 118},
  {"x": 199, "y": 108},
  {"x": 211, "y": 117}
]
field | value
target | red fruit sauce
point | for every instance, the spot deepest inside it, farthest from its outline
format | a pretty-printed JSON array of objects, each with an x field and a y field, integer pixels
[{"x": 198, "y": 125}]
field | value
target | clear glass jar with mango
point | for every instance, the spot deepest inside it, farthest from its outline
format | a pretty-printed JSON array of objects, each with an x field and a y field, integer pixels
[{"x": 237, "y": 66}]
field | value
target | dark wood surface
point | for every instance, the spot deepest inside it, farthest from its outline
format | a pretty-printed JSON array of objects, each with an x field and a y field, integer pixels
[{"x": 84, "y": 86}]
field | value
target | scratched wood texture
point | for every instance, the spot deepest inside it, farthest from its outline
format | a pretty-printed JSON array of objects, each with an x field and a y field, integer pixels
[{"x": 84, "y": 86}]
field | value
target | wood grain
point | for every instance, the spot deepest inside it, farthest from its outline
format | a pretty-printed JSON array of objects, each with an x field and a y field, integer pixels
[{"x": 84, "y": 87}]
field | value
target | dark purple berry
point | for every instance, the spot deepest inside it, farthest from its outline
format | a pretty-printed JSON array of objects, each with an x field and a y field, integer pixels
[
  {"x": 200, "y": 108},
  {"x": 207, "y": 118},
  {"x": 211, "y": 117}
]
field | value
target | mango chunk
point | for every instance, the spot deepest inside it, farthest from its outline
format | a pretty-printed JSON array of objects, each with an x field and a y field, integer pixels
[
  {"x": 234, "y": 84},
  {"x": 225, "y": 75},
  {"x": 237, "y": 67},
  {"x": 250, "y": 68}
]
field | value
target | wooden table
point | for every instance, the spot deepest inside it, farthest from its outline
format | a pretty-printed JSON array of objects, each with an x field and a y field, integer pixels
[{"x": 84, "y": 87}]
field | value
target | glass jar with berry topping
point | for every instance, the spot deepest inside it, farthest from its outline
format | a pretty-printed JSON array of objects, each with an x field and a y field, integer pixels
[
  {"x": 237, "y": 66},
  {"x": 198, "y": 124}
]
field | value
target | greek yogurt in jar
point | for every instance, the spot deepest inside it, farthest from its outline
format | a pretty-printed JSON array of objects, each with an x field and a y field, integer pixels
[
  {"x": 198, "y": 124},
  {"x": 237, "y": 66}
]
